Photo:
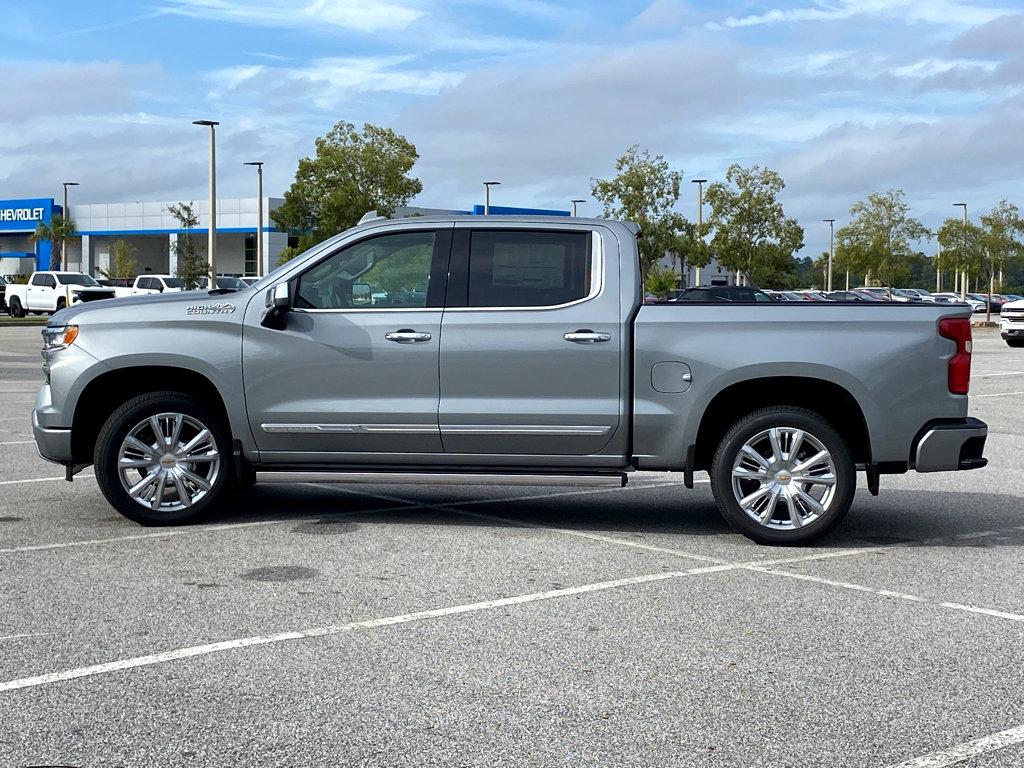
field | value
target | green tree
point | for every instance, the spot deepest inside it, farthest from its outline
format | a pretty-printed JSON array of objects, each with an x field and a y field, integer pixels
[
  {"x": 192, "y": 267},
  {"x": 1004, "y": 228},
  {"x": 877, "y": 241},
  {"x": 58, "y": 232},
  {"x": 752, "y": 233},
  {"x": 660, "y": 281},
  {"x": 122, "y": 263},
  {"x": 645, "y": 190},
  {"x": 352, "y": 172},
  {"x": 963, "y": 248}
]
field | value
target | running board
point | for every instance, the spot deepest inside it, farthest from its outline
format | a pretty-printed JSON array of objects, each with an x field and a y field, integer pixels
[{"x": 480, "y": 479}]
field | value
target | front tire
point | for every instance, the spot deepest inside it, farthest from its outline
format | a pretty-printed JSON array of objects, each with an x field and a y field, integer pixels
[
  {"x": 162, "y": 458},
  {"x": 783, "y": 476},
  {"x": 1015, "y": 342}
]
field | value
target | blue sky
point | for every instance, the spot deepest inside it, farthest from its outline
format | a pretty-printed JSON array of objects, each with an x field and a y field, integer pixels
[{"x": 843, "y": 97}]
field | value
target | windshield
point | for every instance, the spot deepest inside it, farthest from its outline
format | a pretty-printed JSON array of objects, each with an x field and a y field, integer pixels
[{"x": 75, "y": 279}]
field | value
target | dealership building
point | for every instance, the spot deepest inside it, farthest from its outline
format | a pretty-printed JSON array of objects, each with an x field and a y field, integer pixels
[
  {"x": 150, "y": 230},
  {"x": 153, "y": 233}
]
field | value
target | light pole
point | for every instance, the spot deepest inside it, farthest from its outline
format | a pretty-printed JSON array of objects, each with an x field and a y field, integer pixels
[
  {"x": 963, "y": 276},
  {"x": 574, "y": 201},
  {"x": 700, "y": 216},
  {"x": 67, "y": 218},
  {"x": 211, "y": 246},
  {"x": 938, "y": 259},
  {"x": 259, "y": 215},
  {"x": 831, "y": 249},
  {"x": 487, "y": 196}
]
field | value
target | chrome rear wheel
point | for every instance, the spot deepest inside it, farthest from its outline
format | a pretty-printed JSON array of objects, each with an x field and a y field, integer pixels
[{"x": 784, "y": 478}]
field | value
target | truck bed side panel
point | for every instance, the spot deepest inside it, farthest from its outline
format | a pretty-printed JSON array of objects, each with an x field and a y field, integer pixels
[{"x": 889, "y": 358}]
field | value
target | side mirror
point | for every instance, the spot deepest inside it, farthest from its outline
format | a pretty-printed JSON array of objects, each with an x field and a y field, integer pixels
[
  {"x": 281, "y": 297},
  {"x": 361, "y": 294},
  {"x": 279, "y": 304}
]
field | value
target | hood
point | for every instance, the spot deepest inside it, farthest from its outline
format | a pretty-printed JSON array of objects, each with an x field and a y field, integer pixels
[{"x": 75, "y": 313}]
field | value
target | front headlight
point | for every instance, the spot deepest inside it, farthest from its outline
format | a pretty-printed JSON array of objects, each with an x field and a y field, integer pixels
[{"x": 59, "y": 337}]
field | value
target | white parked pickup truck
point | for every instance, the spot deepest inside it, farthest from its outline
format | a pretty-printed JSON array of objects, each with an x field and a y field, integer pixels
[
  {"x": 154, "y": 284},
  {"x": 52, "y": 291}
]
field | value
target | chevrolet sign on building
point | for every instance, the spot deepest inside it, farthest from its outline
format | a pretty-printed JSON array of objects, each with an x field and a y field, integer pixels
[{"x": 18, "y": 220}]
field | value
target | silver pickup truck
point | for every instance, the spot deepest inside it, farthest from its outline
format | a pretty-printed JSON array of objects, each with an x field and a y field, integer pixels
[{"x": 501, "y": 350}]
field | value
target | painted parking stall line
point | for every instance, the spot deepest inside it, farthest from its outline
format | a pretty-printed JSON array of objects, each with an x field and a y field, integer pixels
[
  {"x": 958, "y": 753},
  {"x": 329, "y": 630}
]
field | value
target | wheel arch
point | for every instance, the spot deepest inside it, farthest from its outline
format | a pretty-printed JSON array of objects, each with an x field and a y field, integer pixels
[
  {"x": 830, "y": 400},
  {"x": 103, "y": 394}
]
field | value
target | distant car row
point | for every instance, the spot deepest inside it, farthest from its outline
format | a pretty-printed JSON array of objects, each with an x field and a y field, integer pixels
[
  {"x": 861, "y": 294},
  {"x": 51, "y": 291}
]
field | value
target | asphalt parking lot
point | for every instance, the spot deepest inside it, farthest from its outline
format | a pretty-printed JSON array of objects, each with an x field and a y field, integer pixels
[{"x": 425, "y": 625}]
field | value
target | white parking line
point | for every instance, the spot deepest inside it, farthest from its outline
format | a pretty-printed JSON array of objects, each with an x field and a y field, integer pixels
[
  {"x": 996, "y": 395},
  {"x": 239, "y": 643},
  {"x": 13, "y": 443},
  {"x": 971, "y": 749},
  {"x": 39, "y": 480}
]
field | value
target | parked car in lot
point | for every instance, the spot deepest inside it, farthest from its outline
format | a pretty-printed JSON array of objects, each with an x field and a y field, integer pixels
[
  {"x": 954, "y": 298},
  {"x": 1011, "y": 323},
  {"x": 853, "y": 296},
  {"x": 889, "y": 294},
  {"x": 994, "y": 307},
  {"x": 155, "y": 284},
  {"x": 722, "y": 294},
  {"x": 3, "y": 295},
  {"x": 51, "y": 291},
  {"x": 513, "y": 369}
]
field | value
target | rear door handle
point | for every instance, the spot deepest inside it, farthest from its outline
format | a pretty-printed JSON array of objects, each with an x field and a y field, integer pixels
[
  {"x": 586, "y": 336},
  {"x": 407, "y": 336}
]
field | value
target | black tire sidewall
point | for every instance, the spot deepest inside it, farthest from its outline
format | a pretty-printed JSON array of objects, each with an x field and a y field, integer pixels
[
  {"x": 15, "y": 309},
  {"x": 746, "y": 428},
  {"x": 117, "y": 427}
]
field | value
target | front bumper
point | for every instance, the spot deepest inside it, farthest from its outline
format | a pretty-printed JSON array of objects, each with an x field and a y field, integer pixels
[
  {"x": 951, "y": 444},
  {"x": 1012, "y": 331},
  {"x": 52, "y": 443}
]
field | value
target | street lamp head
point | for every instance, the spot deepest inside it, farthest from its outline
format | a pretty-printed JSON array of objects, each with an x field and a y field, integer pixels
[
  {"x": 488, "y": 184},
  {"x": 697, "y": 181},
  {"x": 830, "y": 221},
  {"x": 210, "y": 123},
  {"x": 578, "y": 200},
  {"x": 70, "y": 184}
]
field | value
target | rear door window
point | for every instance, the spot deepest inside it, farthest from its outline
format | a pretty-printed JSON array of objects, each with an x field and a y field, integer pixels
[{"x": 524, "y": 268}]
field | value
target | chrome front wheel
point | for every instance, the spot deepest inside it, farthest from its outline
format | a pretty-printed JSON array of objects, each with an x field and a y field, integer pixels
[
  {"x": 168, "y": 462},
  {"x": 164, "y": 458}
]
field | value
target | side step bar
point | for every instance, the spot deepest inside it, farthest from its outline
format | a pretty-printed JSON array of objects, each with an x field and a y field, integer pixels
[{"x": 479, "y": 479}]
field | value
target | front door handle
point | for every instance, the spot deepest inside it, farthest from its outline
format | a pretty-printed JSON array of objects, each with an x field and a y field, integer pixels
[
  {"x": 407, "y": 336},
  {"x": 586, "y": 336}
]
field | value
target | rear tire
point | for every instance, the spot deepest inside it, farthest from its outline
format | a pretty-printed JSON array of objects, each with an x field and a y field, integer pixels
[
  {"x": 15, "y": 309},
  {"x": 162, "y": 459},
  {"x": 61, "y": 304},
  {"x": 783, "y": 476},
  {"x": 1015, "y": 342}
]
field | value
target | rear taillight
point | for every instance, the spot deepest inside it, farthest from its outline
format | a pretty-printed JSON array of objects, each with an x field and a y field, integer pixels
[{"x": 959, "y": 367}]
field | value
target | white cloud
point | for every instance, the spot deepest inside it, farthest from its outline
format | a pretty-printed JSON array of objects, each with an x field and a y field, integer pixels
[
  {"x": 940, "y": 12},
  {"x": 353, "y": 15}
]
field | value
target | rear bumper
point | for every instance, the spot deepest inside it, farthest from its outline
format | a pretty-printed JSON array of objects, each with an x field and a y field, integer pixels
[{"x": 951, "y": 444}]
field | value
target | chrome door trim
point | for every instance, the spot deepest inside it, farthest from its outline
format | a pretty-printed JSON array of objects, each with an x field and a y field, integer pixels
[
  {"x": 291, "y": 427},
  {"x": 486, "y": 479},
  {"x": 525, "y": 429}
]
